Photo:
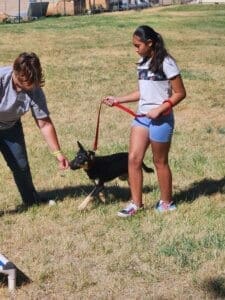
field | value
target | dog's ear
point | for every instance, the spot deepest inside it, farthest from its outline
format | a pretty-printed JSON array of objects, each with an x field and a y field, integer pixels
[{"x": 80, "y": 146}]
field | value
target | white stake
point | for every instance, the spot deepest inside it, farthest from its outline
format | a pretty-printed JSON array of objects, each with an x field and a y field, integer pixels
[{"x": 8, "y": 268}]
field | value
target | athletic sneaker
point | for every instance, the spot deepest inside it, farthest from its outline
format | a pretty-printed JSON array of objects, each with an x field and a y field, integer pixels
[
  {"x": 162, "y": 206},
  {"x": 130, "y": 210}
]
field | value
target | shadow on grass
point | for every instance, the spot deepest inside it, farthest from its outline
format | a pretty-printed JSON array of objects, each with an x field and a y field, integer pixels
[
  {"x": 82, "y": 190},
  {"x": 21, "y": 279},
  {"x": 215, "y": 286},
  {"x": 205, "y": 187},
  {"x": 112, "y": 193}
]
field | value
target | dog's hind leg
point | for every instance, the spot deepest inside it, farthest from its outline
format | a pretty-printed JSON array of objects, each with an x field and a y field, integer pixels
[
  {"x": 99, "y": 190},
  {"x": 101, "y": 196}
]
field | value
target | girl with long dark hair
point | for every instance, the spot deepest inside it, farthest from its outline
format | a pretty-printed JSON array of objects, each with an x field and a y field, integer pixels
[{"x": 160, "y": 89}]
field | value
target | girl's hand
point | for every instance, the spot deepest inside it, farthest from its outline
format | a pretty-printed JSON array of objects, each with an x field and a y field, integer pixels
[
  {"x": 154, "y": 113},
  {"x": 109, "y": 100}
]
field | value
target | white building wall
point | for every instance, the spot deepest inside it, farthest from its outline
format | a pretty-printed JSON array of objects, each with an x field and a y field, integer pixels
[{"x": 11, "y": 7}]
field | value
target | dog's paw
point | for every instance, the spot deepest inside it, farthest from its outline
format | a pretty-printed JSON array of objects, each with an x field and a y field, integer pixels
[
  {"x": 81, "y": 207},
  {"x": 102, "y": 197}
]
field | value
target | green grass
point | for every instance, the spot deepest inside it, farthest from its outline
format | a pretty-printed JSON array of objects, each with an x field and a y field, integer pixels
[{"x": 94, "y": 255}]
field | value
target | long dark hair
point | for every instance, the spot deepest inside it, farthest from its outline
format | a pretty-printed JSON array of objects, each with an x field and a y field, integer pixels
[
  {"x": 28, "y": 68},
  {"x": 146, "y": 33}
]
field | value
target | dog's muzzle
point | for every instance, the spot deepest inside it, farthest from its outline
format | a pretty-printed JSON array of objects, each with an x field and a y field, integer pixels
[{"x": 73, "y": 166}]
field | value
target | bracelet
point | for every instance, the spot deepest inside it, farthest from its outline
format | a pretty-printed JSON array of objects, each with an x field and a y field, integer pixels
[
  {"x": 55, "y": 153},
  {"x": 170, "y": 108},
  {"x": 169, "y": 101}
]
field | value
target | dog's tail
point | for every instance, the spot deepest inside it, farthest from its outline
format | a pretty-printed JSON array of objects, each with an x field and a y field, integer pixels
[{"x": 147, "y": 169}]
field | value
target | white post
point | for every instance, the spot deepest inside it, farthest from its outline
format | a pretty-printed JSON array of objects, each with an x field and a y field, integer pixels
[{"x": 8, "y": 268}]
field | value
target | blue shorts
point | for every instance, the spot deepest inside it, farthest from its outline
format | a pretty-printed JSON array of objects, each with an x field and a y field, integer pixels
[{"x": 159, "y": 130}]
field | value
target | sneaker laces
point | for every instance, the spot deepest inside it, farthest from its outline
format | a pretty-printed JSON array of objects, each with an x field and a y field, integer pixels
[
  {"x": 165, "y": 205},
  {"x": 131, "y": 206}
]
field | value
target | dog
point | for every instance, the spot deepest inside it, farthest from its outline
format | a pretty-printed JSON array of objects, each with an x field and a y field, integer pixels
[{"x": 101, "y": 169}]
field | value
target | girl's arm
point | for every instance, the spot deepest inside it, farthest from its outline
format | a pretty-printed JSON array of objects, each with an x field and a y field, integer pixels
[
  {"x": 178, "y": 94},
  {"x": 132, "y": 97}
]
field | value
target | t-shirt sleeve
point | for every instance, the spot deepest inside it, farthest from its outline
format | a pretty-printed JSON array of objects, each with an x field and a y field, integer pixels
[
  {"x": 38, "y": 104},
  {"x": 170, "y": 68}
]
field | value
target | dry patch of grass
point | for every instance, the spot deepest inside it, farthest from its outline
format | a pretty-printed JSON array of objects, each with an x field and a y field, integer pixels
[{"x": 73, "y": 255}]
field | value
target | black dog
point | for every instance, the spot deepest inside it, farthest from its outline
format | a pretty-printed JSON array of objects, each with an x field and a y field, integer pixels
[{"x": 101, "y": 169}]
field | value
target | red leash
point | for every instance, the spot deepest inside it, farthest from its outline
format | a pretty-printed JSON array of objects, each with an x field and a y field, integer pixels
[
  {"x": 128, "y": 110},
  {"x": 97, "y": 129},
  {"x": 119, "y": 105}
]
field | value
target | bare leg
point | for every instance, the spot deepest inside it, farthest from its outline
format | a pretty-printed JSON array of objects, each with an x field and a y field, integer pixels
[
  {"x": 139, "y": 141},
  {"x": 160, "y": 158}
]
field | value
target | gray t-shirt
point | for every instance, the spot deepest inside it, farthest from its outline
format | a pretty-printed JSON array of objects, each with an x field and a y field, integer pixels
[
  {"x": 13, "y": 105},
  {"x": 155, "y": 88}
]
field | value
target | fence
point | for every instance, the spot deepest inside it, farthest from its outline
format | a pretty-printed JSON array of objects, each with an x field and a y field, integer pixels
[
  {"x": 14, "y": 7},
  {"x": 22, "y": 8}
]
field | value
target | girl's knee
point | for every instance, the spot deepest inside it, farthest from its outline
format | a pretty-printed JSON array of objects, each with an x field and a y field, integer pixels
[
  {"x": 160, "y": 163},
  {"x": 134, "y": 160}
]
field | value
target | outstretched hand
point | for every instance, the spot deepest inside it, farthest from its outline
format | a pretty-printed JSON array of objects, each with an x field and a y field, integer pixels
[{"x": 63, "y": 162}]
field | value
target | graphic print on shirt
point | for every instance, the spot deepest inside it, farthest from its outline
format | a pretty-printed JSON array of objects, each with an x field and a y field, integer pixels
[
  {"x": 145, "y": 74},
  {"x": 22, "y": 104}
]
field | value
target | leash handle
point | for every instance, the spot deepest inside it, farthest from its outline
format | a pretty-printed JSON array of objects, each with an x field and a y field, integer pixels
[{"x": 128, "y": 110}]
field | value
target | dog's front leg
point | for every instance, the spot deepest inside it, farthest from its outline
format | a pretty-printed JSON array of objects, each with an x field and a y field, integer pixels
[
  {"x": 97, "y": 190},
  {"x": 88, "y": 199}
]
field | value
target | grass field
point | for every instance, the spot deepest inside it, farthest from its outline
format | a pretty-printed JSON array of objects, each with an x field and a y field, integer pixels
[{"x": 94, "y": 255}]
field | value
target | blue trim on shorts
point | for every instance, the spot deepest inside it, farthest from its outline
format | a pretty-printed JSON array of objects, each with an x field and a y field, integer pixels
[{"x": 160, "y": 129}]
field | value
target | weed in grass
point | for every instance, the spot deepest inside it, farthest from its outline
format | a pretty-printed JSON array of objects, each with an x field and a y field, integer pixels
[
  {"x": 194, "y": 75},
  {"x": 215, "y": 240},
  {"x": 46, "y": 276},
  {"x": 9, "y": 222},
  {"x": 182, "y": 251},
  {"x": 209, "y": 129},
  {"x": 221, "y": 130}
]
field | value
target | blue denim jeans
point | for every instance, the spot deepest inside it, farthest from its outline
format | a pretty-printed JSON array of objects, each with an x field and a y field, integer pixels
[{"x": 13, "y": 149}]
